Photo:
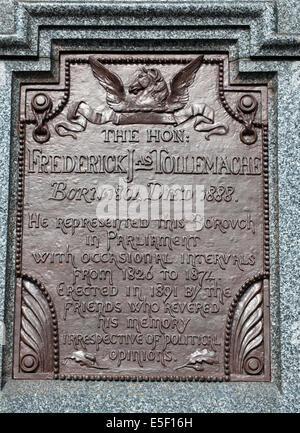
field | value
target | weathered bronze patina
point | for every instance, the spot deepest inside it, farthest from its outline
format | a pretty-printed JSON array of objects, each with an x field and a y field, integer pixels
[{"x": 142, "y": 226}]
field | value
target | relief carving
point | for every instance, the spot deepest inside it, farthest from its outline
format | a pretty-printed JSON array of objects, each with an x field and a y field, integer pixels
[
  {"x": 147, "y": 100},
  {"x": 199, "y": 357},
  {"x": 149, "y": 90},
  {"x": 84, "y": 359},
  {"x": 247, "y": 332},
  {"x": 153, "y": 243},
  {"x": 41, "y": 105},
  {"x": 37, "y": 333},
  {"x": 247, "y": 107}
]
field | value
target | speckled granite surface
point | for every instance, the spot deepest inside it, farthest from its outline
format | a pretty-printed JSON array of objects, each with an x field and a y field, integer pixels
[{"x": 265, "y": 31}]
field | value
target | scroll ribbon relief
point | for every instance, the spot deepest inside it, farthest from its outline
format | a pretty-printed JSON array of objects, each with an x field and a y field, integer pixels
[{"x": 80, "y": 113}]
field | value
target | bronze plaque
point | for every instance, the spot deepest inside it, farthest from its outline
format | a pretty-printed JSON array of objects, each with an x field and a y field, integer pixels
[{"x": 142, "y": 226}]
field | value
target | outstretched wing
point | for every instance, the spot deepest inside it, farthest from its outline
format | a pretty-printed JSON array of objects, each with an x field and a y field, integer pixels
[
  {"x": 109, "y": 81},
  {"x": 181, "y": 82}
]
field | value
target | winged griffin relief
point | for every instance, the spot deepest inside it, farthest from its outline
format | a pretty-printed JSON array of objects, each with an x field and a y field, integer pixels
[{"x": 148, "y": 99}]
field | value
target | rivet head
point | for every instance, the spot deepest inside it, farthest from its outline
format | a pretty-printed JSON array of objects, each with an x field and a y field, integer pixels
[{"x": 40, "y": 100}]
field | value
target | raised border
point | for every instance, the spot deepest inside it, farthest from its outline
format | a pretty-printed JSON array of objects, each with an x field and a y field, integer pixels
[
  {"x": 259, "y": 19},
  {"x": 265, "y": 274}
]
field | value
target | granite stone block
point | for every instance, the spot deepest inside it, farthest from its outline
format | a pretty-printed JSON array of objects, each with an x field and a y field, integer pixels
[{"x": 263, "y": 42}]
